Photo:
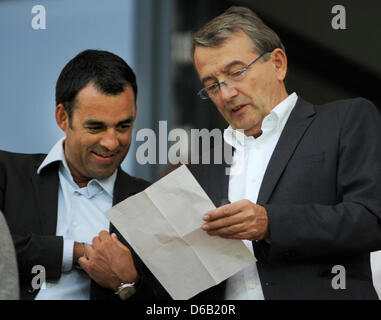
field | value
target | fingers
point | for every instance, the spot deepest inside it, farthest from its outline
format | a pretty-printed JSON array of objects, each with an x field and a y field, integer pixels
[
  {"x": 239, "y": 220},
  {"x": 227, "y": 215},
  {"x": 101, "y": 239},
  {"x": 84, "y": 261},
  {"x": 116, "y": 240},
  {"x": 223, "y": 211},
  {"x": 104, "y": 235},
  {"x": 233, "y": 222},
  {"x": 107, "y": 241},
  {"x": 89, "y": 252}
]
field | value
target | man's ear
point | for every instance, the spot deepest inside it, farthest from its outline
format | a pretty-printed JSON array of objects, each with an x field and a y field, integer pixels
[
  {"x": 279, "y": 60},
  {"x": 62, "y": 118}
]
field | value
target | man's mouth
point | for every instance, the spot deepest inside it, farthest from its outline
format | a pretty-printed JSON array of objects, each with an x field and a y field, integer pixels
[
  {"x": 106, "y": 156},
  {"x": 238, "y": 108}
]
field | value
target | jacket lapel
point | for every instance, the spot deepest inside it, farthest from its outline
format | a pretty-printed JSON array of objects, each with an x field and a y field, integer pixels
[
  {"x": 300, "y": 119},
  {"x": 125, "y": 186},
  {"x": 217, "y": 176},
  {"x": 46, "y": 190}
]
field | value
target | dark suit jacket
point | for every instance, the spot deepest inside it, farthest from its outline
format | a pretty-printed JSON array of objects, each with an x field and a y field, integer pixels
[
  {"x": 322, "y": 193},
  {"x": 29, "y": 202}
]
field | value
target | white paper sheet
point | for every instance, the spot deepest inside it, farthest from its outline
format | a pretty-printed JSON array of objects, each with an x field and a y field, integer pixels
[{"x": 163, "y": 225}]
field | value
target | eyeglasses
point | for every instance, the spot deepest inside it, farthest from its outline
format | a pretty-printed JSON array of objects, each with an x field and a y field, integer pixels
[{"x": 233, "y": 76}]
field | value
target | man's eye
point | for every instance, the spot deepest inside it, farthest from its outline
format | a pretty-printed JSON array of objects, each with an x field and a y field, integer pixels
[
  {"x": 94, "y": 129},
  {"x": 212, "y": 87},
  {"x": 236, "y": 74},
  {"x": 124, "y": 127}
]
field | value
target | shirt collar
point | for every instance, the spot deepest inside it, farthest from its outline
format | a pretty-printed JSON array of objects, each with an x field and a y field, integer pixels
[
  {"x": 56, "y": 154},
  {"x": 283, "y": 109},
  {"x": 276, "y": 119}
]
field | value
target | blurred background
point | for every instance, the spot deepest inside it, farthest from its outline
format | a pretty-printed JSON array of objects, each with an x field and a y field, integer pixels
[{"x": 154, "y": 37}]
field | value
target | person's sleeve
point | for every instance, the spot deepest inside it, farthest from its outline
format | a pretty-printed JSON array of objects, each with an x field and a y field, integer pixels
[
  {"x": 38, "y": 250},
  {"x": 9, "y": 281},
  {"x": 67, "y": 257},
  {"x": 353, "y": 225}
]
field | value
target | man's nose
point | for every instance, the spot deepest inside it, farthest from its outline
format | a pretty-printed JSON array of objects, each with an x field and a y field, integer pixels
[
  {"x": 228, "y": 91},
  {"x": 110, "y": 140}
]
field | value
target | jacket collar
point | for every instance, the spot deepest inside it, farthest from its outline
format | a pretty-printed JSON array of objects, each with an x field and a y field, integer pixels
[
  {"x": 46, "y": 183},
  {"x": 299, "y": 121}
]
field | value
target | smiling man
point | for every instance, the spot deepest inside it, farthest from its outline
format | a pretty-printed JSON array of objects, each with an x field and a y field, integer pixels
[
  {"x": 99, "y": 136},
  {"x": 307, "y": 201},
  {"x": 55, "y": 204}
]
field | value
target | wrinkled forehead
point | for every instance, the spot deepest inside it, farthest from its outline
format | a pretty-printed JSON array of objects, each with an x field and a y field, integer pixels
[{"x": 212, "y": 61}]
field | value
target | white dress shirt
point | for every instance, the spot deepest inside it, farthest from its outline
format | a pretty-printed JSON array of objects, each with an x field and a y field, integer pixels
[
  {"x": 80, "y": 218},
  {"x": 245, "y": 183}
]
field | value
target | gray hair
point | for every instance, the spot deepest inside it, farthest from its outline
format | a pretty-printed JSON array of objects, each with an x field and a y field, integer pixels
[{"x": 230, "y": 22}]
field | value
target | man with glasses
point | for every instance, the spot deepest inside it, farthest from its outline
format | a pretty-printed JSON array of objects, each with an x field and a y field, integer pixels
[{"x": 307, "y": 199}]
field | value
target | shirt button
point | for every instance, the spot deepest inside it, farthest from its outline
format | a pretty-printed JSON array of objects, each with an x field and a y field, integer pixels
[
  {"x": 257, "y": 147},
  {"x": 254, "y": 180},
  {"x": 74, "y": 224}
]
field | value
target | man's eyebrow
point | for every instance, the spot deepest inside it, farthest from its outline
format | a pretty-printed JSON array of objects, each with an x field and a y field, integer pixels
[
  {"x": 224, "y": 70},
  {"x": 208, "y": 78},
  {"x": 232, "y": 64},
  {"x": 101, "y": 123},
  {"x": 94, "y": 123},
  {"x": 126, "y": 121}
]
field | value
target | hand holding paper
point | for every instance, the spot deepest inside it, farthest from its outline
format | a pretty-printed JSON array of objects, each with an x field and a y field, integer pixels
[
  {"x": 163, "y": 225},
  {"x": 241, "y": 220}
]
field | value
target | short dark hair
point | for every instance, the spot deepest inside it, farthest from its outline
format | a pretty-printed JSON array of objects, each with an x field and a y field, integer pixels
[{"x": 109, "y": 73}]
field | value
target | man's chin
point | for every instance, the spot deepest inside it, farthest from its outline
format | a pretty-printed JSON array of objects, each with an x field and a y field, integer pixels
[{"x": 103, "y": 174}]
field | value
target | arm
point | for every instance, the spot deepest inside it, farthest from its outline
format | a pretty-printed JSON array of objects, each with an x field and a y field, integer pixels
[
  {"x": 23, "y": 215},
  {"x": 33, "y": 250},
  {"x": 351, "y": 226},
  {"x": 109, "y": 263}
]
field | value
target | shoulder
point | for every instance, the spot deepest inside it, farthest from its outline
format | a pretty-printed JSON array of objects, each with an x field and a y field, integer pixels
[
  {"x": 356, "y": 105},
  {"x": 139, "y": 183},
  {"x": 349, "y": 113},
  {"x": 123, "y": 178},
  {"x": 19, "y": 161},
  {"x": 20, "y": 157}
]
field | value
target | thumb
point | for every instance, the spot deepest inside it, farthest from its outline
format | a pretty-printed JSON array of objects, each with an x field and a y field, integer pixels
[{"x": 83, "y": 262}]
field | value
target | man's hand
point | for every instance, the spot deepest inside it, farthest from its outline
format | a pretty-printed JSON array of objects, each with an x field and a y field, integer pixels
[
  {"x": 108, "y": 261},
  {"x": 241, "y": 220},
  {"x": 78, "y": 251}
]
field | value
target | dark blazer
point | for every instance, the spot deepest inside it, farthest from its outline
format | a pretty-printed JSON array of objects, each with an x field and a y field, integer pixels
[
  {"x": 322, "y": 193},
  {"x": 29, "y": 202}
]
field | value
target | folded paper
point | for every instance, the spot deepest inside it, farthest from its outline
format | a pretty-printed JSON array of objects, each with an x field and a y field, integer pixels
[{"x": 163, "y": 225}]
